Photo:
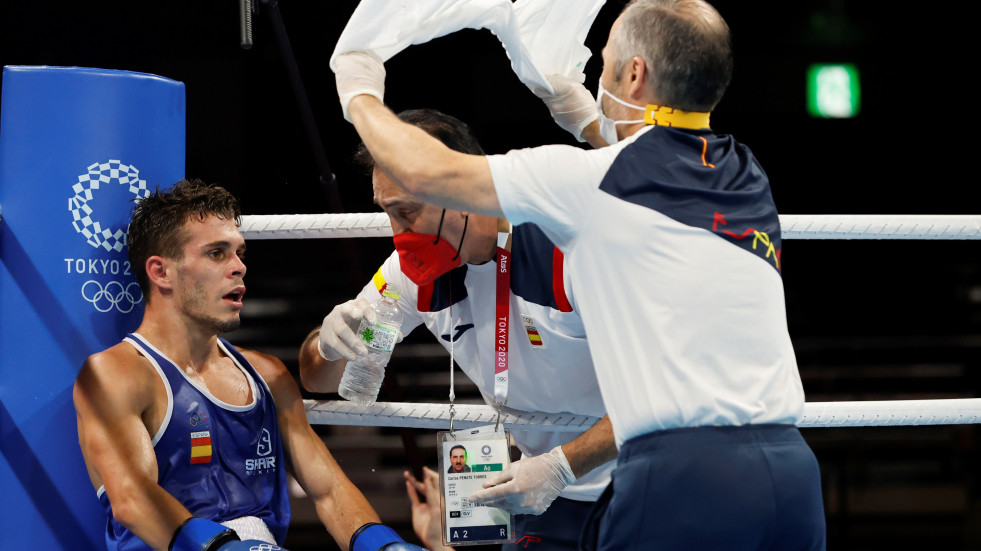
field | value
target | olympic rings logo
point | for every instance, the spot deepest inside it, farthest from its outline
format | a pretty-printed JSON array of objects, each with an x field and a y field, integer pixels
[
  {"x": 113, "y": 296},
  {"x": 198, "y": 419},
  {"x": 265, "y": 547}
]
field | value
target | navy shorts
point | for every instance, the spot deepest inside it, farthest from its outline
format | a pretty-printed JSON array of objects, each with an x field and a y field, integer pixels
[
  {"x": 557, "y": 529},
  {"x": 753, "y": 487}
]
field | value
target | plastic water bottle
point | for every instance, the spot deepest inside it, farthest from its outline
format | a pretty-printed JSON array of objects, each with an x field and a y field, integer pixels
[{"x": 363, "y": 376}]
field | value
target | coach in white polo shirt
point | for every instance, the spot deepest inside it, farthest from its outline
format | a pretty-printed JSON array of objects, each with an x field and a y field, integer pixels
[
  {"x": 446, "y": 269},
  {"x": 674, "y": 243}
]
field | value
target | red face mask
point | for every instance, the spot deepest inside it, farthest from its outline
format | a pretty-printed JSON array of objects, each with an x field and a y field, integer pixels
[{"x": 422, "y": 258}]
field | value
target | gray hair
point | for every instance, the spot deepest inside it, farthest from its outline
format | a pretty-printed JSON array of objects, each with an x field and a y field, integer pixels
[{"x": 685, "y": 45}]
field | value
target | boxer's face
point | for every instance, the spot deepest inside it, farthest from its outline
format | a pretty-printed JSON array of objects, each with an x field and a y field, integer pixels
[{"x": 209, "y": 281}]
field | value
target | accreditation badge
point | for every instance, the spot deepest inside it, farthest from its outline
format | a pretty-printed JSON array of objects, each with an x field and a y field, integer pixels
[{"x": 467, "y": 458}]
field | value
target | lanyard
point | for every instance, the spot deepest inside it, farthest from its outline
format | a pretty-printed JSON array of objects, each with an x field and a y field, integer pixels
[
  {"x": 502, "y": 328},
  {"x": 502, "y": 325}
]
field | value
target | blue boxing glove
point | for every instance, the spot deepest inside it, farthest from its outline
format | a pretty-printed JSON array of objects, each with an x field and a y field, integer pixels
[
  {"x": 201, "y": 534},
  {"x": 377, "y": 537}
]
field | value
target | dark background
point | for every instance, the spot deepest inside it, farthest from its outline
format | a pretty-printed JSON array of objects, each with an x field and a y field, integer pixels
[{"x": 870, "y": 320}]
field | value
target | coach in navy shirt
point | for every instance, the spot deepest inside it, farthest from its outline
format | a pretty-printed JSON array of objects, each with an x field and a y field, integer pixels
[{"x": 673, "y": 242}]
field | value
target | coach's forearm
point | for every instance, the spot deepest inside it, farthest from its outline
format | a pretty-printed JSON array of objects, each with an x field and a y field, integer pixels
[
  {"x": 316, "y": 373},
  {"x": 592, "y": 448}
]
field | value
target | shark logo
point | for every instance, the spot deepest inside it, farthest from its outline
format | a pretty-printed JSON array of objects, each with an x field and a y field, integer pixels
[
  {"x": 265, "y": 444},
  {"x": 460, "y": 330},
  {"x": 262, "y": 464}
]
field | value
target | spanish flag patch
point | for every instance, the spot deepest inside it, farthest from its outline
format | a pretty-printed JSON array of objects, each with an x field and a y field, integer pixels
[
  {"x": 201, "y": 447},
  {"x": 533, "y": 336}
]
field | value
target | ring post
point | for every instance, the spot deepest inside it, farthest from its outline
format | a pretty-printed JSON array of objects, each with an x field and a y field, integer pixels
[{"x": 77, "y": 145}]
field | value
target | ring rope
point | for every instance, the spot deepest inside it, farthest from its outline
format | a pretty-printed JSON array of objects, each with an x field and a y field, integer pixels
[
  {"x": 816, "y": 414},
  {"x": 316, "y": 226},
  {"x": 819, "y": 226},
  {"x": 956, "y": 411}
]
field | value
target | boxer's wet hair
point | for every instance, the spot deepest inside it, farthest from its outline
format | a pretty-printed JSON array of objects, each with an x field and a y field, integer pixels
[{"x": 156, "y": 227}]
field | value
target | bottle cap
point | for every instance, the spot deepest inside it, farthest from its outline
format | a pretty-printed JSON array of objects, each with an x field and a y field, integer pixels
[{"x": 391, "y": 291}]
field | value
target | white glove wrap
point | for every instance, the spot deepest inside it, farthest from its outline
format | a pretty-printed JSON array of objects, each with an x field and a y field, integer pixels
[
  {"x": 572, "y": 107},
  {"x": 358, "y": 73},
  {"x": 329, "y": 356},
  {"x": 338, "y": 333},
  {"x": 528, "y": 486}
]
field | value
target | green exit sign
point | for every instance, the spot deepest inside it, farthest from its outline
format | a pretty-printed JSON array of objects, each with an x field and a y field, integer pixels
[{"x": 833, "y": 91}]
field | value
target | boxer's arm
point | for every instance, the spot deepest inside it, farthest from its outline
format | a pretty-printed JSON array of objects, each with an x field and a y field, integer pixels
[
  {"x": 341, "y": 507},
  {"x": 111, "y": 394}
]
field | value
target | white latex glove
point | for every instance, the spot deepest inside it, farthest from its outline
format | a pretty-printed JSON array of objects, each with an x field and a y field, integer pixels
[
  {"x": 527, "y": 486},
  {"x": 358, "y": 73},
  {"x": 338, "y": 334},
  {"x": 572, "y": 106}
]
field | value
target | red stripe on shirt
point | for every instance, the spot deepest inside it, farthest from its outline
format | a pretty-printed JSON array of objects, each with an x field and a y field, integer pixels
[
  {"x": 425, "y": 301},
  {"x": 558, "y": 288}
]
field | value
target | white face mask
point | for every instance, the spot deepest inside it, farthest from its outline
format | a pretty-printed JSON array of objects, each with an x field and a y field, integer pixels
[{"x": 608, "y": 128}]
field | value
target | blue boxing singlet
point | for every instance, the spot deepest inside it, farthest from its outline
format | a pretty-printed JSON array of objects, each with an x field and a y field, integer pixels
[{"x": 220, "y": 461}]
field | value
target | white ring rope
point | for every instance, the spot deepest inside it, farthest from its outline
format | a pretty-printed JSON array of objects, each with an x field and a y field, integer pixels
[
  {"x": 316, "y": 226},
  {"x": 816, "y": 414},
  {"x": 954, "y": 411},
  {"x": 884, "y": 226},
  {"x": 437, "y": 416},
  {"x": 819, "y": 226},
  {"x": 960, "y": 411}
]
